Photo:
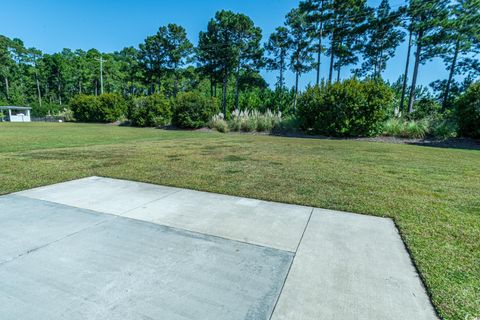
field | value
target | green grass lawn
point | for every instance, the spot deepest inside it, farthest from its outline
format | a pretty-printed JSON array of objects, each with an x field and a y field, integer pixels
[{"x": 433, "y": 194}]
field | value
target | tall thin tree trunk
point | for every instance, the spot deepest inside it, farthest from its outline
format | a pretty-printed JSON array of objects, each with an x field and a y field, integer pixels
[
  {"x": 237, "y": 76},
  {"x": 297, "y": 75},
  {"x": 338, "y": 73},
  {"x": 175, "y": 85},
  {"x": 407, "y": 66},
  {"x": 332, "y": 60},
  {"x": 319, "y": 54},
  {"x": 332, "y": 52},
  {"x": 411, "y": 98},
  {"x": 282, "y": 66},
  {"x": 211, "y": 86},
  {"x": 38, "y": 90},
  {"x": 224, "y": 94},
  {"x": 7, "y": 88},
  {"x": 450, "y": 76}
]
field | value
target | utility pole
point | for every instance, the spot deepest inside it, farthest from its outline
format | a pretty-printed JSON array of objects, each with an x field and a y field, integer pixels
[{"x": 101, "y": 73}]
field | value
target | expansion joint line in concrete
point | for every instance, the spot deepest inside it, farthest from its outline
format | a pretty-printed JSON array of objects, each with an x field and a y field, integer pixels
[
  {"x": 291, "y": 263},
  {"x": 144, "y": 204},
  {"x": 57, "y": 240}
]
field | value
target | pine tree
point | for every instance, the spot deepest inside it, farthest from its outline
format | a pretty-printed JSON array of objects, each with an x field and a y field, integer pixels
[
  {"x": 384, "y": 36},
  {"x": 427, "y": 19},
  {"x": 301, "y": 60},
  {"x": 277, "y": 48},
  {"x": 317, "y": 15},
  {"x": 462, "y": 34}
]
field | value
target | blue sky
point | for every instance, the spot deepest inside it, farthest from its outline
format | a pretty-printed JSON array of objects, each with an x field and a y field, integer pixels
[{"x": 51, "y": 25}]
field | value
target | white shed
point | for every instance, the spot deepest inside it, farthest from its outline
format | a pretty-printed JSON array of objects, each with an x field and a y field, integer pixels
[{"x": 16, "y": 114}]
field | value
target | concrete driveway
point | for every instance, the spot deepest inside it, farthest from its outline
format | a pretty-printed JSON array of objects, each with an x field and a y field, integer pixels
[{"x": 99, "y": 248}]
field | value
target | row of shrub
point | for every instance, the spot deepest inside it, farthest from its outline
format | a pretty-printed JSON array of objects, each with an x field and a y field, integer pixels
[
  {"x": 189, "y": 110},
  {"x": 348, "y": 108}
]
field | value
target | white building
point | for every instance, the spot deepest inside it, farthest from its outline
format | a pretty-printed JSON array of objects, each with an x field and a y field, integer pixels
[{"x": 15, "y": 114}]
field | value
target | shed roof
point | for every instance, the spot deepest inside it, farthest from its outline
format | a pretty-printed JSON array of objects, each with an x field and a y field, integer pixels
[{"x": 14, "y": 108}]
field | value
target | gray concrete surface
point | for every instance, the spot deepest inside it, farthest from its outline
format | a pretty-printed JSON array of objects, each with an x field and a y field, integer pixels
[
  {"x": 253, "y": 221},
  {"x": 119, "y": 268},
  {"x": 351, "y": 266},
  {"x": 225, "y": 258},
  {"x": 101, "y": 194}
]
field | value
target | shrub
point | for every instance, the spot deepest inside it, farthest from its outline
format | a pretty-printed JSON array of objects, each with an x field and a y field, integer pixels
[
  {"x": 112, "y": 107},
  {"x": 193, "y": 110},
  {"x": 107, "y": 107},
  {"x": 85, "y": 108},
  {"x": 218, "y": 123},
  {"x": 288, "y": 124},
  {"x": 425, "y": 107},
  {"x": 468, "y": 111},
  {"x": 150, "y": 111},
  {"x": 348, "y": 108},
  {"x": 444, "y": 128}
]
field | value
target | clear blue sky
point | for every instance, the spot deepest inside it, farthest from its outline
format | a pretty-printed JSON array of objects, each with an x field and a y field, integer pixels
[{"x": 51, "y": 25}]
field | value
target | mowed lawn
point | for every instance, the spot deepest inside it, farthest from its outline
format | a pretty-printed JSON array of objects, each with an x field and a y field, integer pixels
[{"x": 433, "y": 194}]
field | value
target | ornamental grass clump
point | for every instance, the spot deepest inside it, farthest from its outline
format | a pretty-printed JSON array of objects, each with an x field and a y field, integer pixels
[
  {"x": 250, "y": 121},
  {"x": 218, "y": 123}
]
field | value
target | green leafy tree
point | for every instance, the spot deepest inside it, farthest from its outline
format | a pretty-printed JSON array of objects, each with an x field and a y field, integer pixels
[
  {"x": 317, "y": 15},
  {"x": 231, "y": 43},
  {"x": 462, "y": 41},
  {"x": 277, "y": 48},
  {"x": 301, "y": 60},
  {"x": 177, "y": 48},
  {"x": 384, "y": 36},
  {"x": 350, "y": 33},
  {"x": 427, "y": 20}
]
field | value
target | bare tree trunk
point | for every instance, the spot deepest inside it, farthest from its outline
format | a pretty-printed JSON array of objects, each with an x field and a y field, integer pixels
[
  {"x": 224, "y": 94},
  {"x": 319, "y": 55},
  {"x": 297, "y": 75},
  {"x": 332, "y": 52},
  {"x": 7, "y": 88},
  {"x": 38, "y": 90},
  {"x": 338, "y": 73},
  {"x": 411, "y": 98},
  {"x": 282, "y": 66},
  {"x": 407, "y": 65},
  {"x": 236, "y": 87},
  {"x": 450, "y": 76},
  {"x": 332, "y": 60},
  {"x": 211, "y": 86},
  {"x": 175, "y": 85}
]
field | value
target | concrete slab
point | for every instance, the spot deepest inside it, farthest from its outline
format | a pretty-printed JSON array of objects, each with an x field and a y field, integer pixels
[
  {"x": 275, "y": 225},
  {"x": 128, "y": 269},
  {"x": 100, "y": 194},
  {"x": 27, "y": 224},
  {"x": 351, "y": 266}
]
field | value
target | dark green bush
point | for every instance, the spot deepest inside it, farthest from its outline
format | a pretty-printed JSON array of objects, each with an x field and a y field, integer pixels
[
  {"x": 425, "y": 107},
  {"x": 107, "y": 107},
  {"x": 193, "y": 110},
  {"x": 150, "y": 111},
  {"x": 348, "y": 108},
  {"x": 468, "y": 112}
]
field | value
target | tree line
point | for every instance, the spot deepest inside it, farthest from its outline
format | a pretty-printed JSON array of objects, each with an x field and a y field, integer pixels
[{"x": 334, "y": 34}]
